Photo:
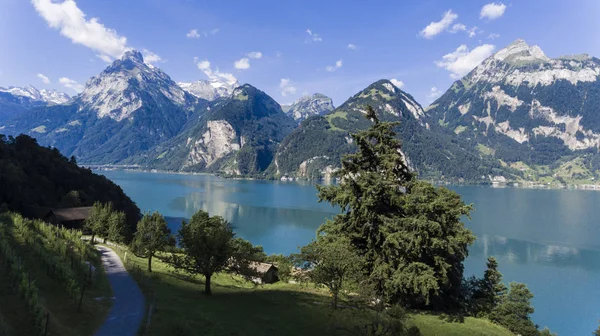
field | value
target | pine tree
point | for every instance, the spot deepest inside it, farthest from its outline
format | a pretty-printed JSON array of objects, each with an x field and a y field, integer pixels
[
  {"x": 409, "y": 232},
  {"x": 491, "y": 286},
  {"x": 515, "y": 309}
]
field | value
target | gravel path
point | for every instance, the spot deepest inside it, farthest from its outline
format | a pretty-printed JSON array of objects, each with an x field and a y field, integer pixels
[{"x": 127, "y": 312}]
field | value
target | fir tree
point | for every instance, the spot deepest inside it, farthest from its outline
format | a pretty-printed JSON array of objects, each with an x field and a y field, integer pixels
[{"x": 409, "y": 232}]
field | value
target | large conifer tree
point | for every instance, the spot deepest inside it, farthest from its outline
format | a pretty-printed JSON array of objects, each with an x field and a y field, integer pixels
[{"x": 409, "y": 232}]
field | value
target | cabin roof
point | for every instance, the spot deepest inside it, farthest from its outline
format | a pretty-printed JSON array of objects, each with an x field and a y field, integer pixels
[
  {"x": 261, "y": 267},
  {"x": 70, "y": 214}
]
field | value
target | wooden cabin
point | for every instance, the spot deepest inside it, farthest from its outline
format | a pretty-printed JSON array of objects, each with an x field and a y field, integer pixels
[
  {"x": 68, "y": 217},
  {"x": 267, "y": 273}
]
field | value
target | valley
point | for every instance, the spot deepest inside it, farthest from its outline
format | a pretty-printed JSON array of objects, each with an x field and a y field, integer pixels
[{"x": 502, "y": 122}]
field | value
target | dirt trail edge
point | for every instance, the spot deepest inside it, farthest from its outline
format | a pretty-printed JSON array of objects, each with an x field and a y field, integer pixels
[{"x": 126, "y": 315}]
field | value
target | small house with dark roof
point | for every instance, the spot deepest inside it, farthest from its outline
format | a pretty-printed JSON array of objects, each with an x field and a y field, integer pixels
[
  {"x": 68, "y": 217},
  {"x": 267, "y": 273}
]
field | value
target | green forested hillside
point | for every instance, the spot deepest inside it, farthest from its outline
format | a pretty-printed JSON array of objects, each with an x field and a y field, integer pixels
[
  {"x": 34, "y": 179},
  {"x": 432, "y": 150}
]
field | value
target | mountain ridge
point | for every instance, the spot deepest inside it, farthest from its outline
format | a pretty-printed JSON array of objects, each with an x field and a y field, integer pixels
[{"x": 527, "y": 108}]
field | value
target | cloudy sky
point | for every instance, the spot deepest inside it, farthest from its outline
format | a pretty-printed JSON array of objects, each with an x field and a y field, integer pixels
[{"x": 286, "y": 48}]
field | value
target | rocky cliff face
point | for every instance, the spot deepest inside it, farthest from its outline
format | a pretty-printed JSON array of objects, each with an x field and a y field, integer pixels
[{"x": 238, "y": 135}]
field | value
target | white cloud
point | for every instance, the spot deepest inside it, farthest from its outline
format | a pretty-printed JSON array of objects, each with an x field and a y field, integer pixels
[
  {"x": 71, "y": 84},
  {"x": 473, "y": 31},
  {"x": 351, "y": 46},
  {"x": 332, "y": 68},
  {"x": 242, "y": 64},
  {"x": 286, "y": 87},
  {"x": 44, "y": 79},
  {"x": 434, "y": 28},
  {"x": 215, "y": 75},
  {"x": 202, "y": 65},
  {"x": 193, "y": 34},
  {"x": 150, "y": 57},
  {"x": 398, "y": 83},
  {"x": 434, "y": 93},
  {"x": 72, "y": 23},
  {"x": 105, "y": 58},
  {"x": 493, "y": 36},
  {"x": 255, "y": 54},
  {"x": 314, "y": 36},
  {"x": 492, "y": 11},
  {"x": 458, "y": 27},
  {"x": 463, "y": 60}
]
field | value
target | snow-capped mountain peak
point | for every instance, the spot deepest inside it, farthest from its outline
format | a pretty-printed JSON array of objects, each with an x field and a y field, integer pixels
[
  {"x": 44, "y": 95},
  {"x": 209, "y": 89},
  {"x": 124, "y": 85}
]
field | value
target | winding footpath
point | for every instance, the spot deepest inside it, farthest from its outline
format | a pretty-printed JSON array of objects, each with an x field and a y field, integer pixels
[{"x": 127, "y": 312}]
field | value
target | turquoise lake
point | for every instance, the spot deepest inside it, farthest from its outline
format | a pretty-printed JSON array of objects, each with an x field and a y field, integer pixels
[{"x": 548, "y": 239}]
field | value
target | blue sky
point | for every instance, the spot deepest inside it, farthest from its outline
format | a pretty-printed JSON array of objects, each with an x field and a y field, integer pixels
[{"x": 303, "y": 45}]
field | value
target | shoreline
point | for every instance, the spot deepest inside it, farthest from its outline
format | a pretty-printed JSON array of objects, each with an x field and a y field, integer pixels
[{"x": 498, "y": 185}]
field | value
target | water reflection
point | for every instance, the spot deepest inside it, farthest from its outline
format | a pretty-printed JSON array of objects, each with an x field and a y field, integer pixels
[
  {"x": 523, "y": 252},
  {"x": 278, "y": 229}
]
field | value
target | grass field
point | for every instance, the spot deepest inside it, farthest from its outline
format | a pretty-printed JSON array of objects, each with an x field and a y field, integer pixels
[
  {"x": 239, "y": 308},
  {"x": 64, "y": 319}
]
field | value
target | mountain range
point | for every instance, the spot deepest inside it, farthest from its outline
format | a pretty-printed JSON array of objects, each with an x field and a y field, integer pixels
[{"x": 519, "y": 116}]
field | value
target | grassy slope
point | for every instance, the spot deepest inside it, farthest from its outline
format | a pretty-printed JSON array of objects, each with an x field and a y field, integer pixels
[
  {"x": 432, "y": 325},
  {"x": 239, "y": 308},
  {"x": 64, "y": 318}
]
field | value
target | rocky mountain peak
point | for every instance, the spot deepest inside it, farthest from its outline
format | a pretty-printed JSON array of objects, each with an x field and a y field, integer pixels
[
  {"x": 209, "y": 89},
  {"x": 384, "y": 96},
  {"x": 308, "y": 106},
  {"x": 520, "y": 51},
  {"x": 133, "y": 55},
  {"x": 126, "y": 84}
]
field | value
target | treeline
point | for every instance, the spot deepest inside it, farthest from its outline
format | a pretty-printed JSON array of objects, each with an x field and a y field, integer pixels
[
  {"x": 35, "y": 179},
  {"x": 204, "y": 245}
]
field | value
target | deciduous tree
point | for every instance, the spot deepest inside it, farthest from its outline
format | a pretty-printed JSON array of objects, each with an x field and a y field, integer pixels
[
  {"x": 209, "y": 247},
  {"x": 330, "y": 261},
  {"x": 152, "y": 236}
]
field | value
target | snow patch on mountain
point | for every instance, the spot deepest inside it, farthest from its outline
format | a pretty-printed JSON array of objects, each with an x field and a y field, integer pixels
[
  {"x": 44, "y": 95},
  {"x": 209, "y": 89}
]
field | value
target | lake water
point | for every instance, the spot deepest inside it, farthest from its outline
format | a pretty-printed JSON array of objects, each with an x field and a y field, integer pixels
[{"x": 548, "y": 239}]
